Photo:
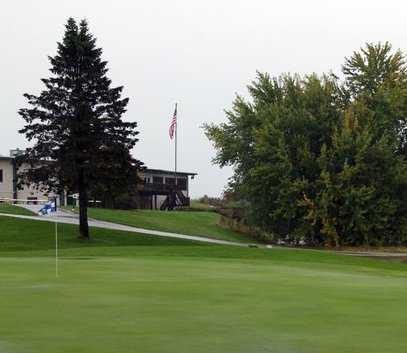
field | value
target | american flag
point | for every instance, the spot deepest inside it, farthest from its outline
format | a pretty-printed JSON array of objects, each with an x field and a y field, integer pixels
[{"x": 173, "y": 125}]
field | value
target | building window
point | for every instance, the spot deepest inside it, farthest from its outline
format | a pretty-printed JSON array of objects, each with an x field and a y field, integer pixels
[
  {"x": 1, "y": 175},
  {"x": 158, "y": 180},
  {"x": 182, "y": 183},
  {"x": 170, "y": 181}
]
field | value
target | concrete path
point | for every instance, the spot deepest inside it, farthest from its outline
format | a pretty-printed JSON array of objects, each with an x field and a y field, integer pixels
[
  {"x": 379, "y": 254},
  {"x": 68, "y": 218}
]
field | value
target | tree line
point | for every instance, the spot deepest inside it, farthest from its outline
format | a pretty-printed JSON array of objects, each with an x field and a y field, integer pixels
[{"x": 322, "y": 160}]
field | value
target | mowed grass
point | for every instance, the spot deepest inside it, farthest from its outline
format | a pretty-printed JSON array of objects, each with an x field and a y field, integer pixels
[
  {"x": 196, "y": 205},
  {"x": 12, "y": 209},
  {"x": 125, "y": 292},
  {"x": 200, "y": 223}
]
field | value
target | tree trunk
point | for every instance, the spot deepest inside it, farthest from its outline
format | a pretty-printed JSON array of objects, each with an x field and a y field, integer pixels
[{"x": 83, "y": 209}]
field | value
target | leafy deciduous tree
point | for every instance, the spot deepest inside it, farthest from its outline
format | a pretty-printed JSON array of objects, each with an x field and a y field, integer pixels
[{"x": 319, "y": 161}]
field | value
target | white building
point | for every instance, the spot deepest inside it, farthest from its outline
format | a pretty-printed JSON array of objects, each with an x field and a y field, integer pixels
[{"x": 8, "y": 183}]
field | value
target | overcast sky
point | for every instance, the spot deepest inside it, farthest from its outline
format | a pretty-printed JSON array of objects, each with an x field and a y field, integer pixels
[{"x": 197, "y": 53}]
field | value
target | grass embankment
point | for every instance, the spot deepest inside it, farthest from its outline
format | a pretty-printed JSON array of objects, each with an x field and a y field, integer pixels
[
  {"x": 125, "y": 292},
  {"x": 12, "y": 209},
  {"x": 198, "y": 223},
  {"x": 200, "y": 206}
]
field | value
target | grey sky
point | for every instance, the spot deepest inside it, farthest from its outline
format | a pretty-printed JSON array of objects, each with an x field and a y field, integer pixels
[{"x": 196, "y": 53}]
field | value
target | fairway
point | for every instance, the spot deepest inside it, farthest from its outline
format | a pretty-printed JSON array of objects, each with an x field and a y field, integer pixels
[{"x": 128, "y": 293}]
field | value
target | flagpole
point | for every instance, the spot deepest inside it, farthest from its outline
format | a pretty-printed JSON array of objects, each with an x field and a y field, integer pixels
[
  {"x": 56, "y": 249},
  {"x": 176, "y": 129}
]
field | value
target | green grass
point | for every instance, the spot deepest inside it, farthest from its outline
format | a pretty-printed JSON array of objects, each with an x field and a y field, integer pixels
[
  {"x": 196, "y": 205},
  {"x": 199, "y": 223},
  {"x": 12, "y": 209},
  {"x": 125, "y": 292}
]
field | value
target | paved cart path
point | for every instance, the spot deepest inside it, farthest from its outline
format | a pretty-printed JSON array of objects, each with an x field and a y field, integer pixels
[{"x": 68, "y": 218}]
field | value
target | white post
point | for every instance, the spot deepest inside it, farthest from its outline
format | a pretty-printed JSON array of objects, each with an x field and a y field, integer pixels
[
  {"x": 176, "y": 130},
  {"x": 56, "y": 249}
]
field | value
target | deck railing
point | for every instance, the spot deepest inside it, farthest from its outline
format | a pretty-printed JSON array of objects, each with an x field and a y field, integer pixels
[{"x": 165, "y": 188}]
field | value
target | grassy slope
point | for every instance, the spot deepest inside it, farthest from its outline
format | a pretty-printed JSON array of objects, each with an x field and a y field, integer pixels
[
  {"x": 185, "y": 222},
  {"x": 11, "y": 209},
  {"x": 200, "y": 206},
  {"x": 129, "y": 293}
]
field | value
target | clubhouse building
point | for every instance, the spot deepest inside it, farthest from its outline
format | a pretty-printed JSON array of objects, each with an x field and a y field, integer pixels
[
  {"x": 161, "y": 189},
  {"x": 8, "y": 182}
]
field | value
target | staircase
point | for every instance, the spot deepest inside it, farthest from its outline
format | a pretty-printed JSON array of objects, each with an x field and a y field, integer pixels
[{"x": 174, "y": 199}]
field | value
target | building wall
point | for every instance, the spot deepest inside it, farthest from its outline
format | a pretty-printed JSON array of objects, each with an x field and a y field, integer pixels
[
  {"x": 31, "y": 191},
  {"x": 149, "y": 178},
  {"x": 155, "y": 201},
  {"x": 6, "y": 187},
  {"x": 160, "y": 201}
]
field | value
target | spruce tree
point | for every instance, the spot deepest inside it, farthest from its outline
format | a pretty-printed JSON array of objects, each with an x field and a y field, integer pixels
[{"x": 80, "y": 142}]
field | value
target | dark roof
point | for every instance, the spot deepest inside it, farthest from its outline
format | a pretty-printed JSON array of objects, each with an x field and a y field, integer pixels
[
  {"x": 3, "y": 158},
  {"x": 162, "y": 171},
  {"x": 147, "y": 170}
]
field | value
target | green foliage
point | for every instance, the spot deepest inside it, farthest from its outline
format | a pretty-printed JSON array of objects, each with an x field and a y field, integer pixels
[
  {"x": 321, "y": 162},
  {"x": 373, "y": 67},
  {"x": 81, "y": 143}
]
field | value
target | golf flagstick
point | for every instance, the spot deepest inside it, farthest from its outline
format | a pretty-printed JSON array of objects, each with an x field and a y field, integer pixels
[{"x": 56, "y": 249}]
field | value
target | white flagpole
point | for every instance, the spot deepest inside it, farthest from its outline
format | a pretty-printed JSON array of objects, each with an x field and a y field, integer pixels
[
  {"x": 56, "y": 249},
  {"x": 176, "y": 129}
]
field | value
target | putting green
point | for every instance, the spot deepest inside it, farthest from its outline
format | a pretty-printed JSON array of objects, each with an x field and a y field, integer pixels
[{"x": 138, "y": 294}]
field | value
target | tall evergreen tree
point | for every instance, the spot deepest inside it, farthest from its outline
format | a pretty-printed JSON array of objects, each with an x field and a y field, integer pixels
[{"x": 80, "y": 140}]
